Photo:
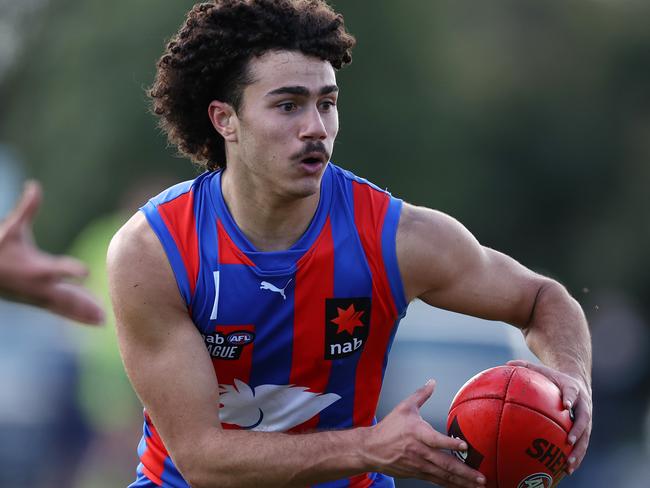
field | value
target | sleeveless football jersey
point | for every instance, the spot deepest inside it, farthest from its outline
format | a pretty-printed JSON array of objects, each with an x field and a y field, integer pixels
[{"x": 299, "y": 339}]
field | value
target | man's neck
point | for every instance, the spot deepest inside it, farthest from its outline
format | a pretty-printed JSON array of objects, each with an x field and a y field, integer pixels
[{"x": 269, "y": 221}]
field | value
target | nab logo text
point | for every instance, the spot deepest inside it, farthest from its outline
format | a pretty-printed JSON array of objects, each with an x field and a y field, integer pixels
[{"x": 347, "y": 323}]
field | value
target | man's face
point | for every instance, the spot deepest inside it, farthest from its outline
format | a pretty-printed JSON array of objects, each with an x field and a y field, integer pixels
[{"x": 288, "y": 121}]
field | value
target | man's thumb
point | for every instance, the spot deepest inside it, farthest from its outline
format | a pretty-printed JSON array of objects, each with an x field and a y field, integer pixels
[
  {"x": 24, "y": 212},
  {"x": 422, "y": 394}
]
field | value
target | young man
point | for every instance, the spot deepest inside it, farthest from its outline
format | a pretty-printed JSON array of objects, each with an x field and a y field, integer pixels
[
  {"x": 256, "y": 304},
  {"x": 31, "y": 276}
]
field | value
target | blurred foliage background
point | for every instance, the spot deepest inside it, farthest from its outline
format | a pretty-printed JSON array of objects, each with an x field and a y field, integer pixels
[{"x": 528, "y": 121}]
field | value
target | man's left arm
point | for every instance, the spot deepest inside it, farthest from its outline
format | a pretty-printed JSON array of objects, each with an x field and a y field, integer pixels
[{"x": 444, "y": 265}]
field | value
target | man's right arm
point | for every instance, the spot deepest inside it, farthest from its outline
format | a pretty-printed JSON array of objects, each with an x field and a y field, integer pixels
[{"x": 172, "y": 373}]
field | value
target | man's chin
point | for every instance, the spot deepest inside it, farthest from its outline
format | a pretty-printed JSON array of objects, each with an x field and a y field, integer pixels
[
  {"x": 304, "y": 191},
  {"x": 303, "y": 188}
]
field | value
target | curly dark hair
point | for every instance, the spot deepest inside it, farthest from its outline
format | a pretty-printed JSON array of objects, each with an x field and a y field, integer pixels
[{"x": 208, "y": 59}]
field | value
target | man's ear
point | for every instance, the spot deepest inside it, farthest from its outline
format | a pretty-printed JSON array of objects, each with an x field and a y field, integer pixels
[{"x": 224, "y": 119}]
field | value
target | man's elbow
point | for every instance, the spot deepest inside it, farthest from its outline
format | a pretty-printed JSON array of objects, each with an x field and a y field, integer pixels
[
  {"x": 556, "y": 295},
  {"x": 201, "y": 478},
  {"x": 551, "y": 302},
  {"x": 190, "y": 464},
  {"x": 202, "y": 467}
]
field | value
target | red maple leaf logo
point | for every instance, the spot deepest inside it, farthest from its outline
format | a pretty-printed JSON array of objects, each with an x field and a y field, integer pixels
[{"x": 348, "y": 319}]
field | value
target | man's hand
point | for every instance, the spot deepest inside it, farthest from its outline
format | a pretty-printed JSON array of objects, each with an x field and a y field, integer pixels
[
  {"x": 31, "y": 276},
  {"x": 405, "y": 446},
  {"x": 576, "y": 395}
]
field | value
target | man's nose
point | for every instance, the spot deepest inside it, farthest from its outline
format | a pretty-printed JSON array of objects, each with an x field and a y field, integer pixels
[{"x": 313, "y": 127}]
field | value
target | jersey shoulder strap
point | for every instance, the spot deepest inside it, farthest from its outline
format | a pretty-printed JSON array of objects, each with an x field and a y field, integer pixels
[
  {"x": 376, "y": 215},
  {"x": 173, "y": 217}
]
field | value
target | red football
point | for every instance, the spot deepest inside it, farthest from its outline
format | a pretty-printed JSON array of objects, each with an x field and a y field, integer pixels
[{"x": 515, "y": 425}]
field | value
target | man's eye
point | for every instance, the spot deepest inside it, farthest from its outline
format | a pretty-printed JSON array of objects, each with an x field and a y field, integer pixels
[
  {"x": 328, "y": 105},
  {"x": 288, "y": 106}
]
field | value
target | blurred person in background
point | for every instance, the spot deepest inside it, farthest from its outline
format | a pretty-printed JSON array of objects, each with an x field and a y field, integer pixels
[
  {"x": 39, "y": 368},
  {"x": 65, "y": 395},
  {"x": 32, "y": 276},
  {"x": 213, "y": 271}
]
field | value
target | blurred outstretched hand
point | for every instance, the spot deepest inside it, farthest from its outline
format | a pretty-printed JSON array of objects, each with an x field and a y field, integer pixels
[{"x": 32, "y": 276}]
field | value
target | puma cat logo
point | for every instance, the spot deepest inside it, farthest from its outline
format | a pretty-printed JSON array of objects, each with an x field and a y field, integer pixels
[{"x": 265, "y": 285}]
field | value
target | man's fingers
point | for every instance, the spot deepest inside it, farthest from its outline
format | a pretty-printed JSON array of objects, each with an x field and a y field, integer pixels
[
  {"x": 422, "y": 394},
  {"x": 27, "y": 206},
  {"x": 436, "y": 440},
  {"x": 581, "y": 422},
  {"x": 578, "y": 453},
  {"x": 574, "y": 397},
  {"x": 450, "y": 469},
  {"x": 447, "y": 481},
  {"x": 75, "y": 302},
  {"x": 517, "y": 362},
  {"x": 47, "y": 267},
  {"x": 540, "y": 368},
  {"x": 570, "y": 394},
  {"x": 66, "y": 267},
  {"x": 570, "y": 391}
]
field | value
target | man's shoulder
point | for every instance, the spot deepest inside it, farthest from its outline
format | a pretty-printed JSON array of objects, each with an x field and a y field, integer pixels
[
  {"x": 345, "y": 174},
  {"x": 184, "y": 188},
  {"x": 145, "y": 297},
  {"x": 134, "y": 243},
  {"x": 136, "y": 260}
]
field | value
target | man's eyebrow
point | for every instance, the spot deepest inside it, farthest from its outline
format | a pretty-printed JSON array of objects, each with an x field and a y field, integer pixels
[
  {"x": 302, "y": 91},
  {"x": 329, "y": 89}
]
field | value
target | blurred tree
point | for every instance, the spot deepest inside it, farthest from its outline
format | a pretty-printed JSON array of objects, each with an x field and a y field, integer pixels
[
  {"x": 13, "y": 18},
  {"x": 526, "y": 120},
  {"x": 76, "y": 110}
]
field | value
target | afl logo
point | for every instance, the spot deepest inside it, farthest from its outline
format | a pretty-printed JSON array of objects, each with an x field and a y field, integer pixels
[
  {"x": 537, "y": 480},
  {"x": 240, "y": 338}
]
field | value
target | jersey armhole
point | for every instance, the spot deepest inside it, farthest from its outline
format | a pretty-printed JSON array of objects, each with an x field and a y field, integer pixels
[
  {"x": 389, "y": 253},
  {"x": 173, "y": 253}
]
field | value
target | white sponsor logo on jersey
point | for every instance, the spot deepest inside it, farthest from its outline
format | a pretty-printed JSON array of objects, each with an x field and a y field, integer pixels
[
  {"x": 270, "y": 408},
  {"x": 265, "y": 285}
]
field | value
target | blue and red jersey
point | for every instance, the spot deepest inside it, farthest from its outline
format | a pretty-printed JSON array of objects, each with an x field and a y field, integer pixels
[{"x": 299, "y": 339}]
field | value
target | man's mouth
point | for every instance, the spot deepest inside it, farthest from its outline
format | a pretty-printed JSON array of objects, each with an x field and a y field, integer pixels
[
  {"x": 311, "y": 160},
  {"x": 314, "y": 158},
  {"x": 313, "y": 153}
]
